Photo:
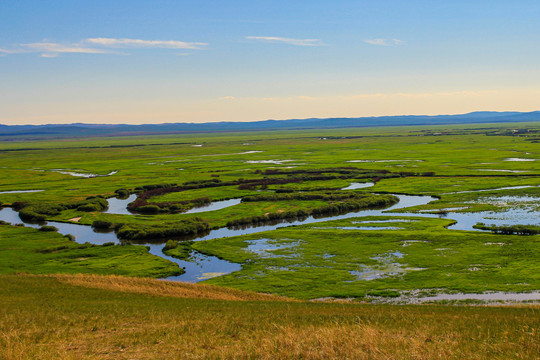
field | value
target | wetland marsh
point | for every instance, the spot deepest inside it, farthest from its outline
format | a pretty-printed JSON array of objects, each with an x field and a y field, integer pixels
[{"x": 294, "y": 191}]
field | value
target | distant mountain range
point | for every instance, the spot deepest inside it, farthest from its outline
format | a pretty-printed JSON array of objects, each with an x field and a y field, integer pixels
[{"x": 23, "y": 132}]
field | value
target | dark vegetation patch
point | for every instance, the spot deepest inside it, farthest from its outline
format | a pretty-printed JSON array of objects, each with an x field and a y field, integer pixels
[
  {"x": 271, "y": 177},
  {"x": 339, "y": 203},
  {"x": 181, "y": 228},
  {"x": 39, "y": 212},
  {"x": 510, "y": 229}
]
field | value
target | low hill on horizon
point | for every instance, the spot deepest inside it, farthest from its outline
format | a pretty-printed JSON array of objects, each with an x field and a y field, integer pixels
[{"x": 33, "y": 132}]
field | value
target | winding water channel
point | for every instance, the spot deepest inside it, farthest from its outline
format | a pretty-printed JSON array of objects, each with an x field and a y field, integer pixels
[{"x": 201, "y": 266}]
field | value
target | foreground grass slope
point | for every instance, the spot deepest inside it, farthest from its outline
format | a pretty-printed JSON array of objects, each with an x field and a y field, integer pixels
[{"x": 75, "y": 317}]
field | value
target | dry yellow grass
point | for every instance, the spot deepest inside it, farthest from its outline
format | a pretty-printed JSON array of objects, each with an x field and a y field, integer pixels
[
  {"x": 164, "y": 288},
  {"x": 109, "y": 317}
]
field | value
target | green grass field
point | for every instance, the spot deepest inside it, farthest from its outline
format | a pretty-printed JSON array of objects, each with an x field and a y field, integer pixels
[
  {"x": 325, "y": 260},
  {"x": 89, "y": 316},
  {"x": 448, "y": 162}
]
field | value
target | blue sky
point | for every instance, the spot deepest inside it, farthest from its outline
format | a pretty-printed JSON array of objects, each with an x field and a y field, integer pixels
[{"x": 198, "y": 61}]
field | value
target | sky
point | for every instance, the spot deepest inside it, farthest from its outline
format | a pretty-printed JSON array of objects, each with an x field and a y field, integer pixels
[{"x": 156, "y": 61}]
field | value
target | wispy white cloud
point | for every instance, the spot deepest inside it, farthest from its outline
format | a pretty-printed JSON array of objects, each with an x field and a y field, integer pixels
[
  {"x": 138, "y": 43},
  {"x": 55, "y": 48},
  {"x": 97, "y": 46},
  {"x": 384, "y": 42},
  {"x": 289, "y": 41},
  {"x": 227, "y": 98},
  {"x": 6, "y": 52}
]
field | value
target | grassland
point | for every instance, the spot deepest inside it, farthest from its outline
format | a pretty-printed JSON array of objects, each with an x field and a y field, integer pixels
[
  {"x": 49, "y": 316},
  {"x": 452, "y": 163},
  {"x": 74, "y": 317}
]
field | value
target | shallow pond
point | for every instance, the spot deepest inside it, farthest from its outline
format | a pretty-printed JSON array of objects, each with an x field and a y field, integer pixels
[
  {"x": 81, "y": 174},
  {"x": 216, "y": 205},
  {"x": 19, "y": 191},
  {"x": 519, "y": 159},
  {"x": 354, "y": 186},
  {"x": 119, "y": 206}
]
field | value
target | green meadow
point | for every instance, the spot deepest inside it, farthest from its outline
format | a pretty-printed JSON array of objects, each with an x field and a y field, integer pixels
[
  {"x": 340, "y": 259},
  {"x": 286, "y": 174}
]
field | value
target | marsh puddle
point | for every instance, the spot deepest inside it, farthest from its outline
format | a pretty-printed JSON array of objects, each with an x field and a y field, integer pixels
[
  {"x": 12, "y": 217},
  {"x": 518, "y": 216},
  {"x": 503, "y": 170},
  {"x": 265, "y": 248},
  {"x": 240, "y": 153},
  {"x": 411, "y": 242},
  {"x": 354, "y": 186},
  {"x": 216, "y": 205},
  {"x": 20, "y": 191},
  {"x": 383, "y": 161},
  {"x": 386, "y": 266},
  {"x": 81, "y": 174},
  {"x": 276, "y": 162},
  {"x": 519, "y": 159},
  {"x": 119, "y": 206},
  {"x": 524, "y": 211}
]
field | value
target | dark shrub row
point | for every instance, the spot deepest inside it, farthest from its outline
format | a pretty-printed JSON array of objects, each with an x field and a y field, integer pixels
[
  {"x": 279, "y": 177},
  {"x": 48, "y": 228},
  {"x": 510, "y": 230},
  {"x": 342, "y": 207},
  {"x": 143, "y": 207},
  {"x": 153, "y": 186},
  {"x": 182, "y": 228},
  {"x": 271, "y": 218},
  {"x": 100, "y": 224},
  {"x": 65, "y": 247},
  {"x": 339, "y": 170},
  {"x": 354, "y": 205},
  {"x": 37, "y": 212},
  {"x": 287, "y": 196},
  {"x": 171, "y": 244},
  {"x": 122, "y": 193}
]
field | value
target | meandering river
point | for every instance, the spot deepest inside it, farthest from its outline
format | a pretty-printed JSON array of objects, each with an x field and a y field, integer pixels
[{"x": 200, "y": 266}]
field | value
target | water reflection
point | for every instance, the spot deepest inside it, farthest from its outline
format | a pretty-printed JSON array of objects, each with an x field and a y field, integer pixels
[
  {"x": 216, "y": 205},
  {"x": 354, "y": 186},
  {"x": 119, "y": 206}
]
